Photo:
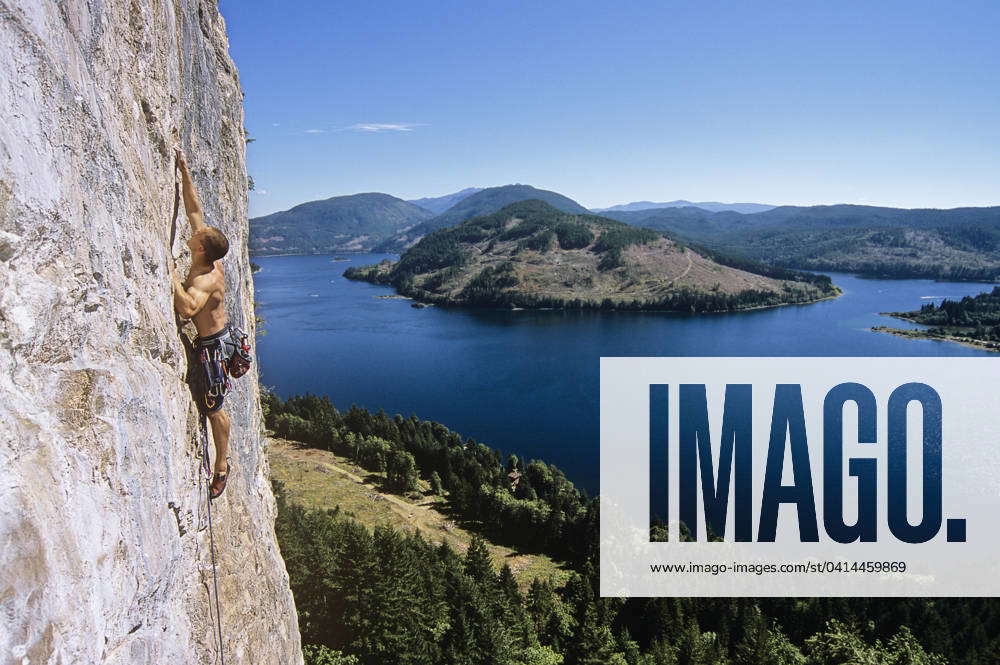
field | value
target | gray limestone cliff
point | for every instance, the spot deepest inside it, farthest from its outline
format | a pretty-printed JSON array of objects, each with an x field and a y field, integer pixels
[{"x": 104, "y": 546}]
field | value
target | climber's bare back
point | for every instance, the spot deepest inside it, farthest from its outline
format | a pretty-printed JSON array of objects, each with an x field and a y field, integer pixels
[{"x": 211, "y": 318}]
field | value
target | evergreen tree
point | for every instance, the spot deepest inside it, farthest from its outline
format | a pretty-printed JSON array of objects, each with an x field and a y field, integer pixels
[
  {"x": 317, "y": 654},
  {"x": 477, "y": 562}
]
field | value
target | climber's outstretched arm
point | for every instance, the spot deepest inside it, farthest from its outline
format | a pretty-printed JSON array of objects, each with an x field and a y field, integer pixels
[
  {"x": 192, "y": 204},
  {"x": 188, "y": 301}
]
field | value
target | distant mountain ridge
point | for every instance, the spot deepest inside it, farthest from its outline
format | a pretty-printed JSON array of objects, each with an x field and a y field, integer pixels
[
  {"x": 957, "y": 243},
  {"x": 712, "y": 206},
  {"x": 438, "y": 204},
  {"x": 354, "y": 223},
  {"x": 483, "y": 202}
]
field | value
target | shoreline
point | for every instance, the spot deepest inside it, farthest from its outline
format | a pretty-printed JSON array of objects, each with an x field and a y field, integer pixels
[{"x": 923, "y": 334}]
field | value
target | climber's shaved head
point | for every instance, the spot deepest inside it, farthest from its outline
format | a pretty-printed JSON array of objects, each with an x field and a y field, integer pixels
[{"x": 213, "y": 241}]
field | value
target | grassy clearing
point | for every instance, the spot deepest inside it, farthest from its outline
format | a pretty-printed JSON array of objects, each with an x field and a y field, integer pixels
[{"x": 319, "y": 479}]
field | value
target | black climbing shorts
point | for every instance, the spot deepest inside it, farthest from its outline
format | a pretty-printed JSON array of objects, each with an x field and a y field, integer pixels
[{"x": 213, "y": 357}]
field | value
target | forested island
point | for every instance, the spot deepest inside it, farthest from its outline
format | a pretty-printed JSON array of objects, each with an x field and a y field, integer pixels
[
  {"x": 377, "y": 595},
  {"x": 532, "y": 255},
  {"x": 973, "y": 321}
]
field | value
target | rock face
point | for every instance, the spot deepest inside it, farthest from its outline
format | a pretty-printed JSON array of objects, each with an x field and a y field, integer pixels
[{"x": 104, "y": 545}]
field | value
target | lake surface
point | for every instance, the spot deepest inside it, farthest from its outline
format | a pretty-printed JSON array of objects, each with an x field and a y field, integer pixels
[{"x": 526, "y": 382}]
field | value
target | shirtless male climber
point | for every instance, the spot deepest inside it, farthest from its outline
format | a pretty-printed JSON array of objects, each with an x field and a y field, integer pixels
[{"x": 201, "y": 298}]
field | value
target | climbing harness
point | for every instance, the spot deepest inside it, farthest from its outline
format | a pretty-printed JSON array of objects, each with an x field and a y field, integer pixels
[
  {"x": 206, "y": 466},
  {"x": 222, "y": 355}
]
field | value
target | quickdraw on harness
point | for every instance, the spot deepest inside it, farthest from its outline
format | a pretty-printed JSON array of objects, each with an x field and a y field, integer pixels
[
  {"x": 216, "y": 378},
  {"x": 220, "y": 364}
]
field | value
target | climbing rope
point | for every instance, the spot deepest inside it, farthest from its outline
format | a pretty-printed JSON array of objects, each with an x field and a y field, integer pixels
[{"x": 211, "y": 539}]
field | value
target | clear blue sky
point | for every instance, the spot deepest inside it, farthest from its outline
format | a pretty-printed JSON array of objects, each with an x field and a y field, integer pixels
[{"x": 799, "y": 102}]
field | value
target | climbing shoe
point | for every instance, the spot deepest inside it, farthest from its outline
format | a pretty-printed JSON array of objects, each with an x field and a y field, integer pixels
[{"x": 219, "y": 480}]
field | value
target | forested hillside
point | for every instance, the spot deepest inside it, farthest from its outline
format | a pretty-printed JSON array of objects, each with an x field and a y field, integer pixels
[
  {"x": 339, "y": 224},
  {"x": 386, "y": 597},
  {"x": 483, "y": 202},
  {"x": 958, "y": 244},
  {"x": 529, "y": 254}
]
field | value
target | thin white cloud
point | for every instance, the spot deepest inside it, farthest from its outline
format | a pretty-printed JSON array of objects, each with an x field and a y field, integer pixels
[
  {"x": 384, "y": 126},
  {"x": 261, "y": 192},
  {"x": 276, "y": 124},
  {"x": 315, "y": 131}
]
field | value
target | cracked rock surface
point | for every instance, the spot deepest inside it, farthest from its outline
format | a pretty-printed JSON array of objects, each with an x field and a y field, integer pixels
[{"x": 104, "y": 545}]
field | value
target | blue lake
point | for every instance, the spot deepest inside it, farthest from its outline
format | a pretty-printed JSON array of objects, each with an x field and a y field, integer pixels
[{"x": 526, "y": 382}]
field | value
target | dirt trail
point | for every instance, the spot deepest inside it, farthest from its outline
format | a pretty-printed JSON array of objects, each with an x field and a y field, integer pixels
[
  {"x": 686, "y": 270},
  {"x": 407, "y": 508}
]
